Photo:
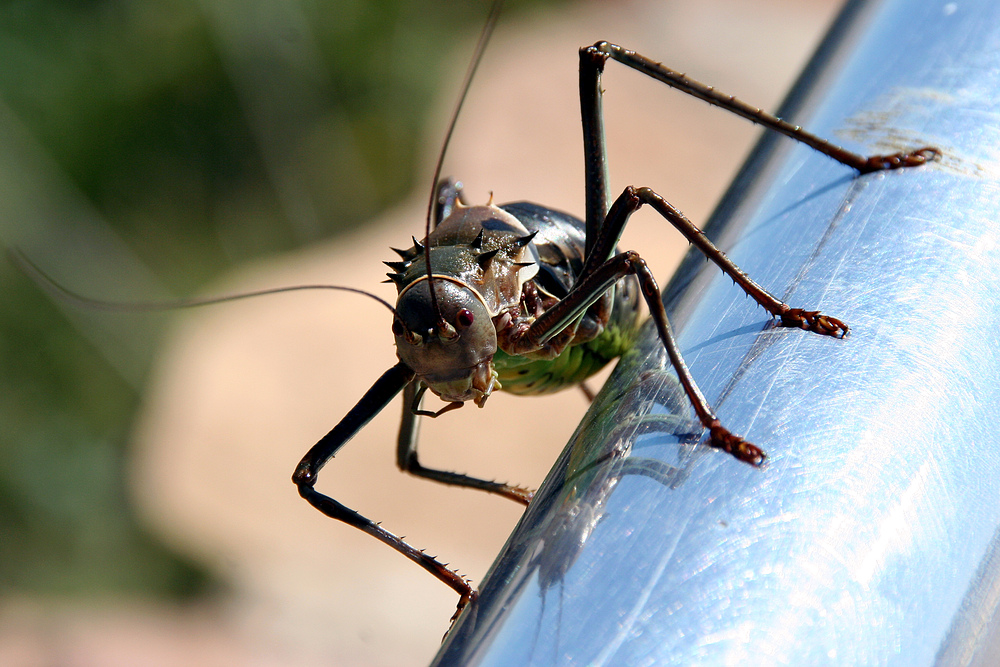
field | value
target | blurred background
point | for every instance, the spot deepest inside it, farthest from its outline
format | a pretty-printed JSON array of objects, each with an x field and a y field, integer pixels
[{"x": 152, "y": 150}]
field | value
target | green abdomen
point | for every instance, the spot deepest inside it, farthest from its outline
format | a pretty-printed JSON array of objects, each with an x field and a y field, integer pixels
[
  {"x": 525, "y": 377},
  {"x": 560, "y": 242}
]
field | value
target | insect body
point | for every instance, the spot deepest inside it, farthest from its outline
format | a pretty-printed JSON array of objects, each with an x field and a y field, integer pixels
[
  {"x": 501, "y": 268},
  {"x": 522, "y": 298}
]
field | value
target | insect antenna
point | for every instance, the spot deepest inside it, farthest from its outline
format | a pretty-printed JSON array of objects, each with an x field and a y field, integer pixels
[
  {"x": 53, "y": 288},
  {"x": 477, "y": 56}
]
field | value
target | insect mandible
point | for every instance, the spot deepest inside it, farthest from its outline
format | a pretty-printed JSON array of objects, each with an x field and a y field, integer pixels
[{"x": 525, "y": 299}]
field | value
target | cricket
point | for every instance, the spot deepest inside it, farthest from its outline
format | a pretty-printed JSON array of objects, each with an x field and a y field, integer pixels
[
  {"x": 521, "y": 298},
  {"x": 528, "y": 300}
]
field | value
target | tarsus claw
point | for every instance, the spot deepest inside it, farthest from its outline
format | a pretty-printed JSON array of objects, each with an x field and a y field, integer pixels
[
  {"x": 815, "y": 321},
  {"x": 722, "y": 438},
  {"x": 463, "y": 602},
  {"x": 899, "y": 160}
]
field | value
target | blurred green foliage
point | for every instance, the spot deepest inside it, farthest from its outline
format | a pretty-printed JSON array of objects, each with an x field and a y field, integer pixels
[{"x": 204, "y": 134}]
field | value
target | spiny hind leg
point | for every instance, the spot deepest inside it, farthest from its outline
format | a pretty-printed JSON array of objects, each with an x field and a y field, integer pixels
[{"x": 593, "y": 58}]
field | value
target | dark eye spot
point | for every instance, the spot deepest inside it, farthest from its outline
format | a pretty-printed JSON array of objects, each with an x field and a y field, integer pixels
[
  {"x": 397, "y": 328},
  {"x": 464, "y": 318}
]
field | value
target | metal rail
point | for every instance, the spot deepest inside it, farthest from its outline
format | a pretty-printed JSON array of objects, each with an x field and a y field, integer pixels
[{"x": 871, "y": 534}]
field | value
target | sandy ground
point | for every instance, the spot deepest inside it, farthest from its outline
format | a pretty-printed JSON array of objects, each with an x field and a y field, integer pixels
[{"x": 243, "y": 390}]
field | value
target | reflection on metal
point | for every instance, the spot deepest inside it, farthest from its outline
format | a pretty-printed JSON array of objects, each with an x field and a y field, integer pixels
[{"x": 871, "y": 534}]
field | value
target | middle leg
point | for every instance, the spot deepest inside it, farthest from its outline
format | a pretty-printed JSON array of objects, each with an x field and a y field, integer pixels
[{"x": 407, "y": 460}]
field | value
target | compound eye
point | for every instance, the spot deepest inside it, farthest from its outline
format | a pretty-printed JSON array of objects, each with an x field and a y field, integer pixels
[
  {"x": 464, "y": 319},
  {"x": 397, "y": 328}
]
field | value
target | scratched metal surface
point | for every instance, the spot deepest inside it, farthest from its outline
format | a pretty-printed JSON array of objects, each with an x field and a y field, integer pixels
[{"x": 871, "y": 534}]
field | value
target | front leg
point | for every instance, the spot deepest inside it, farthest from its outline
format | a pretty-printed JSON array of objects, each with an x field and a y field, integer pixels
[{"x": 306, "y": 473}]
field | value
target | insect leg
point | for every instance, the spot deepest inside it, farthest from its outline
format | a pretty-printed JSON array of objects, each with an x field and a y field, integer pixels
[
  {"x": 375, "y": 399},
  {"x": 630, "y": 201},
  {"x": 595, "y": 282},
  {"x": 592, "y": 61},
  {"x": 449, "y": 192},
  {"x": 406, "y": 456}
]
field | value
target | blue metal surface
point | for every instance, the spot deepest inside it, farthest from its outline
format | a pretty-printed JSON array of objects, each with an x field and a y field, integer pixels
[{"x": 870, "y": 536}]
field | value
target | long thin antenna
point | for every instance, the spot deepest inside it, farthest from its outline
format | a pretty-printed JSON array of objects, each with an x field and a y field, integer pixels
[
  {"x": 58, "y": 291},
  {"x": 477, "y": 56}
]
